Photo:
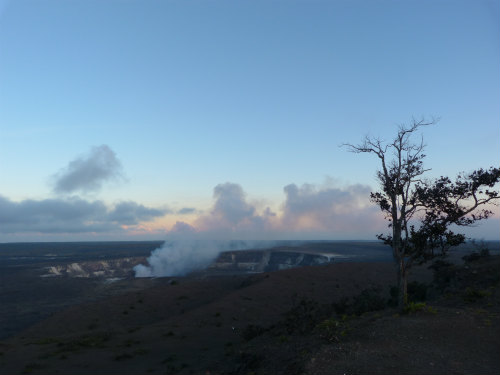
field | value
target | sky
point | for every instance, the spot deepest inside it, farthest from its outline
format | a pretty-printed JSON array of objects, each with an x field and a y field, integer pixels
[{"x": 133, "y": 120}]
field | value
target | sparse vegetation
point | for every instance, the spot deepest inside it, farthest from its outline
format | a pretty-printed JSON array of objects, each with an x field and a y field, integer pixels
[
  {"x": 333, "y": 329},
  {"x": 472, "y": 295},
  {"x": 414, "y": 307},
  {"x": 251, "y": 331}
]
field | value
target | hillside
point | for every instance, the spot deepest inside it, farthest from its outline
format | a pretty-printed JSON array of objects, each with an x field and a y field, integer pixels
[{"x": 314, "y": 320}]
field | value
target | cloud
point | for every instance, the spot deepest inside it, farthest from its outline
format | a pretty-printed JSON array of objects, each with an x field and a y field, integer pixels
[
  {"x": 74, "y": 215},
  {"x": 187, "y": 211},
  {"x": 329, "y": 209},
  {"x": 182, "y": 227},
  {"x": 131, "y": 213},
  {"x": 232, "y": 213},
  {"x": 89, "y": 173}
]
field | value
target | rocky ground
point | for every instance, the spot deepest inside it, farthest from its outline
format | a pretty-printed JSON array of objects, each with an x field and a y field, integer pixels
[{"x": 331, "y": 319}]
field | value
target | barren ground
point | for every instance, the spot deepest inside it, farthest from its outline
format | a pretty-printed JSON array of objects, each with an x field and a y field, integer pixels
[{"x": 305, "y": 320}]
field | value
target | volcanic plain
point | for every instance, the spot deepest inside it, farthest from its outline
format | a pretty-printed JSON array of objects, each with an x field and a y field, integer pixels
[{"x": 337, "y": 317}]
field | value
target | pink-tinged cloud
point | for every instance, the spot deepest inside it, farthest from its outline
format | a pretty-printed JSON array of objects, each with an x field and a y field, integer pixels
[
  {"x": 232, "y": 213},
  {"x": 333, "y": 210},
  {"x": 327, "y": 212}
]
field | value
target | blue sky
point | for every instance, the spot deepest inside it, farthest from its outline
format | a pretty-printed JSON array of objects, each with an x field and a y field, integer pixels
[{"x": 158, "y": 112}]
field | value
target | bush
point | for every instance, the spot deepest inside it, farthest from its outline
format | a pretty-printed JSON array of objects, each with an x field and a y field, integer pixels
[
  {"x": 368, "y": 300},
  {"x": 472, "y": 295},
  {"x": 414, "y": 307},
  {"x": 481, "y": 251},
  {"x": 394, "y": 292},
  {"x": 444, "y": 273},
  {"x": 303, "y": 316},
  {"x": 332, "y": 329},
  {"x": 417, "y": 292},
  {"x": 341, "y": 306},
  {"x": 251, "y": 331}
]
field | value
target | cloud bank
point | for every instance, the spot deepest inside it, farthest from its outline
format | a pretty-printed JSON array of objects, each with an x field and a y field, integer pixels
[
  {"x": 89, "y": 173},
  {"x": 74, "y": 215}
]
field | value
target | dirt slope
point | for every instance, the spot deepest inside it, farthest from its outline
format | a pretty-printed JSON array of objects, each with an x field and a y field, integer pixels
[{"x": 264, "y": 323}]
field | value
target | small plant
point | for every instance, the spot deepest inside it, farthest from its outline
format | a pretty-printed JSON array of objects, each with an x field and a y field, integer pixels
[
  {"x": 283, "y": 339},
  {"x": 32, "y": 366},
  {"x": 170, "y": 358},
  {"x": 303, "y": 316},
  {"x": 368, "y": 300},
  {"x": 472, "y": 295},
  {"x": 332, "y": 329},
  {"x": 46, "y": 341},
  {"x": 414, "y": 307},
  {"x": 444, "y": 273},
  {"x": 128, "y": 343},
  {"x": 251, "y": 331},
  {"x": 481, "y": 251},
  {"x": 121, "y": 357}
]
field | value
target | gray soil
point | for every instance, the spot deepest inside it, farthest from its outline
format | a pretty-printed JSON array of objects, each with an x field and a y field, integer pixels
[{"x": 308, "y": 320}]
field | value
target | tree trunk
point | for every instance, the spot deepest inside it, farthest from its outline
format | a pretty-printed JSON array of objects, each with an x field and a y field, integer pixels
[
  {"x": 399, "y": 261},
  {"x": 403, "y": 286}
]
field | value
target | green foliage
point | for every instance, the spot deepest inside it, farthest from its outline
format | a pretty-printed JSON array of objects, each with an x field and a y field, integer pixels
[
  {"x": 46, "y": 341},
  {"x": 443, "y": 273},
  {"x": 368, "y": 300},
  {"x": 332, "y": 329},
  {"x": 283, "y": 339},
  {"x": 394, "y": 292},
  {"x": 33, "y": 366},
  {"x": 481, "y": 252},
  {"x": 473, "y": 295},
  {"x": 417, "y": 291},
  {"x": 303, "y": 316},
  {"x": 414, "y": 307},
  {"x": 251, "y": 331}
]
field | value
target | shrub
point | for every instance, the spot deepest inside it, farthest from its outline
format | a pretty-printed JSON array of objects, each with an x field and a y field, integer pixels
[
  {"x": 414, "y": 307},
  {"x": 251, "y": 331},
  {"x": 417, "y": 291},
  {"x": 341, "y": 306},
  {"x": 303, "y": 316},
  {"x": 332, "y": 329},
  {"x": 444, "y": 273},
  {"x": 368, "y": 300},
  {"x": 472, "y": 295}
]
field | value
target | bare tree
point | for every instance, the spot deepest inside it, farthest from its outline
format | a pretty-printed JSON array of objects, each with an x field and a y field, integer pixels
[{"x": 406, "y": 198}]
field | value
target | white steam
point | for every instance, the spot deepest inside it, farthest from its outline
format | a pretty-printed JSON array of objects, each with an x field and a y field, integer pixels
[
  {"x": 178, "y": 257},
  {"x": 181, "y": 256}
]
